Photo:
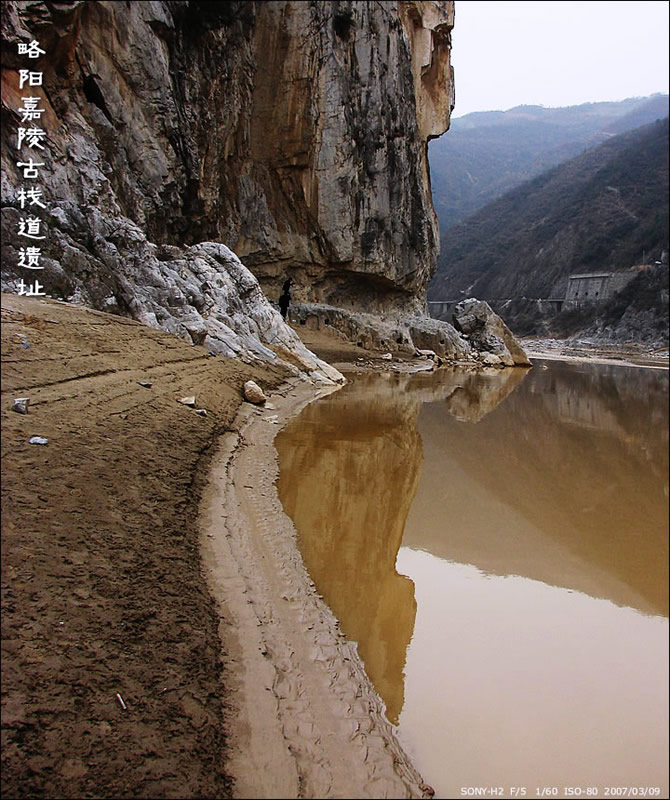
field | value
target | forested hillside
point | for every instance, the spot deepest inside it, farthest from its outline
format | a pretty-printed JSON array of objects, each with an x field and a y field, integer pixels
[
  {"x": 606, "y": 209},
  {"x": 486, "y": 154}
]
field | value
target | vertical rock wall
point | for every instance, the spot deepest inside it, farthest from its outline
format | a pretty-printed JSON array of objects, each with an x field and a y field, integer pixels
[
  {"x": 293, "y": 132},
  {"x": 341, "y": 114}
]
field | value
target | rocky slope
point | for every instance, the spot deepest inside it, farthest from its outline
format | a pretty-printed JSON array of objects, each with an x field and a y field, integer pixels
[{"x": 293, "y": 133}]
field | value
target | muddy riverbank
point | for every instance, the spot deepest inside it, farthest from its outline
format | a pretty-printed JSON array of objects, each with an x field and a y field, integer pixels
[
  {"x": 302, "y": 716},
  {"x": 154, "y": 646},
  {"x": 115, "y": 681}
]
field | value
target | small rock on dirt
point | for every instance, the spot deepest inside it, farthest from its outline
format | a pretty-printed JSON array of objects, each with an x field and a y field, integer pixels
[
  {"x": 38, "y": 440},
  {"x": 21, "y": 405},
  {"x": 253, "y": 393},
  {"x": 188, "y": 401}
]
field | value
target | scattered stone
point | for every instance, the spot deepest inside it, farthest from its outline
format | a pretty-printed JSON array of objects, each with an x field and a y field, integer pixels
[
  {"x": 426, "y": 354},
  {"x": 38, "y": 440},
  {"x": 201, "y": 411},
  {"x": 145, "y": 384},
  {"x": 188, "y": 401},
  {"x": 21, "y": 405},
  {"x": 490, "y": 360},
  {"x": 253, "y": 393},
  {"x": 387, "y": 357}
]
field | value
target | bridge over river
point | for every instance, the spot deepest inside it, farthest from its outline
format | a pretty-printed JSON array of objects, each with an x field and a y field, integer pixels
[
  {"x": 441, "y": 309},
  {"x": 589, "y": 288}
]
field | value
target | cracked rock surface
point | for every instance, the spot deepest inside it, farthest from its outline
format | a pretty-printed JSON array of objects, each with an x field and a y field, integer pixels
[{"x": 291, "y": 133}]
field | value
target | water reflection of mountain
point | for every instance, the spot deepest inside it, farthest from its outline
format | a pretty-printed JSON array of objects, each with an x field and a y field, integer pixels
[
  {"x": 563, "y": 483},
  {"x": 625, "y": 401},
  {"x": 350, "y": 467},
  {"x": 550, "y": 474}
]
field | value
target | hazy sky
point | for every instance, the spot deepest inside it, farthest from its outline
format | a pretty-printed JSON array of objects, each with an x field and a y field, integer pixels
[{"x": 563, "y": 53}]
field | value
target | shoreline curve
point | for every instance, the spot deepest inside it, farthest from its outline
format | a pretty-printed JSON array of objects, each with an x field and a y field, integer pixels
[{"x": 302, "y": 718}]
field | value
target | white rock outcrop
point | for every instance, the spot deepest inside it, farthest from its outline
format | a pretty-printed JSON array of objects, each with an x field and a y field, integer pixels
[{"x": 293, "y": 132}]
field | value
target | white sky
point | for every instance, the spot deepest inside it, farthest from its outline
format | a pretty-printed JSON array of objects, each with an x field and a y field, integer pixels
[{"x": 563, "y": 53}]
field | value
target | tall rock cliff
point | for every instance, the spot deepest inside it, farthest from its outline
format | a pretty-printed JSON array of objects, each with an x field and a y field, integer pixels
[{"x": 293, "y": 133}]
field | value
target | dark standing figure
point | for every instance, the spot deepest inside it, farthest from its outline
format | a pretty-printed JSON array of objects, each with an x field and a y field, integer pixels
[{"x": 285, "y": 298}]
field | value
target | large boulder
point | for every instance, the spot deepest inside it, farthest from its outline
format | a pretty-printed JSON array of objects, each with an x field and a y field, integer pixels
[{"x": 488, "y": 334}]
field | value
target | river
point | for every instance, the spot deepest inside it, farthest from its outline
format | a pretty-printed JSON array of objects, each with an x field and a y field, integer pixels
[{"x": 497, "y": 545}]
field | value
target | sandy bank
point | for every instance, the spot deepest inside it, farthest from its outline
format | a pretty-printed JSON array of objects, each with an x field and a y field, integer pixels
[
  {"x": 630, "y": 354},
  {"x": 302, "y": 717},
  {"x": 103, "y": 594}
]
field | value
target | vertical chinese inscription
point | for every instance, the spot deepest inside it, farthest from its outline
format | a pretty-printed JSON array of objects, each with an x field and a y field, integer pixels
[{"x": 31, "y": 140}]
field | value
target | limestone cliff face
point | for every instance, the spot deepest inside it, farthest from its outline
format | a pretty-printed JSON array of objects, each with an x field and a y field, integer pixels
[
  {"x": 293, "y": 132},
  {"x": 337, "y": 168}
]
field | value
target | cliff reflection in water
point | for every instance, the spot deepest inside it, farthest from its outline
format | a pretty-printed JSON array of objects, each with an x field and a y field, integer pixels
[
  {"x": 350, "y": 465},
  {"x": 565, "y": 483}
]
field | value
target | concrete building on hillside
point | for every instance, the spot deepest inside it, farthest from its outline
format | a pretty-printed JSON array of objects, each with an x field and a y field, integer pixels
[{"x": 596, "y": 287}]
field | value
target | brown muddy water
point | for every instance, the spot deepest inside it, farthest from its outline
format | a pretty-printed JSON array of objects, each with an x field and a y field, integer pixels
[{"x": 497, "y": 545}]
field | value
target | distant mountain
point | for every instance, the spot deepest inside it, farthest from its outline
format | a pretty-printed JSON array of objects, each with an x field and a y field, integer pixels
[
  {"x": 606, "y": 209},
  {"x": 485, "y": 154}
]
